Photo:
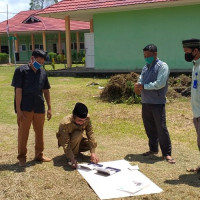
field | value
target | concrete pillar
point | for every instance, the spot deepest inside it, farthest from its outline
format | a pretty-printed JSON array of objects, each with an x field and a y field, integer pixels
[
  {"x": 68, "y": 41},
  {"x": 91, "y": 26},
  {"x": 77, "y": 42},
  {"x": 32, "y": 42},
  {"x": 59, "y": 43},
  {"x": 44, "y": 40},
  {"x": 16, "y": 43}
]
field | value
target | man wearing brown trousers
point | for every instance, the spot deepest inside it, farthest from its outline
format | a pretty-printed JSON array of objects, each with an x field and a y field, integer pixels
[
  {"x": 30, "y": 82},
  {"x": 76, "y": 135}
]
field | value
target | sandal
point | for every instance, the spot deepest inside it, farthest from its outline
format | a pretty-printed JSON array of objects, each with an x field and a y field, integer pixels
[
  {"x": 170, "y": 160},
  {"x": 197, "y": 169},
  {"x": 148, "y": 153}
]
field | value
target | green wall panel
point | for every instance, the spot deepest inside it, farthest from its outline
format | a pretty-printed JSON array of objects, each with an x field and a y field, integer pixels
[{"x": 120, "y": 37}]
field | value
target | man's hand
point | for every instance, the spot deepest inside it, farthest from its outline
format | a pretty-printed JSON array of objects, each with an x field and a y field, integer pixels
[
  {"x": 49, "y": 114},
  {"x": 73, "y": 163},
  {"x": 138, "y": 88},
  {"x": 94, "y": 158},
  {"x": 20, "y": 116}
]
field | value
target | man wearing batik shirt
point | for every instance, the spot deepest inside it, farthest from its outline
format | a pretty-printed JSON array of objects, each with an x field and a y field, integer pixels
[{"x": 76, "y": 135}]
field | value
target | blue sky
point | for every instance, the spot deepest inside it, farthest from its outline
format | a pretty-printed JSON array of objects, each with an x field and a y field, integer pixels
[{"x": 14, "y": 6}]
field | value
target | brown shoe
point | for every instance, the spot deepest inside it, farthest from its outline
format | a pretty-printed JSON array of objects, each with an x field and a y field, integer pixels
[
  {"x": 43, "y": 159},
  {"x": 22, "y": 163}
]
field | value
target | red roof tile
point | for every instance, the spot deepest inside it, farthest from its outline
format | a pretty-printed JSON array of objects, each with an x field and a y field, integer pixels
[
  {"x": 46, "y": 24},
  {"x": 75, "y": 5}
]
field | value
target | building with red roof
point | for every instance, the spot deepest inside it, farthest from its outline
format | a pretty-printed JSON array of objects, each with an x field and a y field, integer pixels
[
  {"x": 33, "y": 31},
  {"x": 121, "y": 28}
]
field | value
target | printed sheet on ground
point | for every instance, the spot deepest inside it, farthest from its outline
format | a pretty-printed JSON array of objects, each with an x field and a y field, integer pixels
[{"x": 127, "y": 181}]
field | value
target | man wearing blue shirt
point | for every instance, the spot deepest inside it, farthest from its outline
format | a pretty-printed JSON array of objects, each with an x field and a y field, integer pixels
[
  {"x": 30, "y": 82},
  {"x": 192, "y": 54},
  {"x": 152, "y": 85}
]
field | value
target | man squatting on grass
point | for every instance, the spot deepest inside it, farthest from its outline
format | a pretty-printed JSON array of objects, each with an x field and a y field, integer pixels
[
  {"x": 192, "y": 54},
  {"x": 30, "y": 82},
  {"x": 153, "y": 86},
  {"x": 72, "y": 130}
]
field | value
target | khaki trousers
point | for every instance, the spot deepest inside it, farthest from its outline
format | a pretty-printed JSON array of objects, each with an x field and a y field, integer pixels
[
  {"x": 78, "y": 144},
  {"x": 37, "y": 120}
]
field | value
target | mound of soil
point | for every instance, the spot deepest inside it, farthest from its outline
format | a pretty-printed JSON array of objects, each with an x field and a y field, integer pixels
[
  {"x": 179, "y": 86},
  {"x": 120, "y": 88}
]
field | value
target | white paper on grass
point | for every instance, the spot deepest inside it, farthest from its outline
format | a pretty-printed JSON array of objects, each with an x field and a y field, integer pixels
[{"x": 127, "y": 182}]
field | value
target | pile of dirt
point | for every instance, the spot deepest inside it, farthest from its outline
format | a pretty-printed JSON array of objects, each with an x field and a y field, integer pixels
[
  {"x": 179, "y": 86},
  {"x": 120, "y": 88}
]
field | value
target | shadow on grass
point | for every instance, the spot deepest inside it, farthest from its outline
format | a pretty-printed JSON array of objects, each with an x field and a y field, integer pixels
[
  {"x": 16, "y": 168},
  {"x": 189, "y": 179},
  {"x": 61, "y": 161},
  {"x": 143, "y": 159}
]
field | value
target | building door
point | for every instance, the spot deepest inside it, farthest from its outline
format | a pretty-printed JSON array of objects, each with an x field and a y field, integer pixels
[
  {"x": 89, "y": 50},
  {"x": 54, "y": 48}
]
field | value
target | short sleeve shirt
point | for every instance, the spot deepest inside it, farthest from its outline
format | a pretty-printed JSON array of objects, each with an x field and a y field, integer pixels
[{"x": 32, "y": 85}]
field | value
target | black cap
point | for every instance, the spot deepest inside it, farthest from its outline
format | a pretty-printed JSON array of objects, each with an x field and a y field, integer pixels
[
  {"x": 80, "y": 110},
  {"x": 151, "y": 48},
  {"x": 191, "y": 43},
  {"x": 39, "y": 53}
]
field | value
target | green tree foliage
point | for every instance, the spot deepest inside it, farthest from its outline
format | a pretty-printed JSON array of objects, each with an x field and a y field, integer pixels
[{"x": 40, "y": 4}]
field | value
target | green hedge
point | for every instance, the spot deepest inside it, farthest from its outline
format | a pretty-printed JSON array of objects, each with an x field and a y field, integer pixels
[
  {"x": 52, "y": 55},
  {"x": 77, "y": 58},
  {"x": 4, "y": 58}
]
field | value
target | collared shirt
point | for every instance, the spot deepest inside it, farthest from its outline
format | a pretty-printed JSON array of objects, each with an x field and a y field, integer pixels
[
  {"x": 162, "y": 77},
  {"x": 32, "y": 85},
  {"x": 68, "y": 127},
  {"x": 154, "y": 78},
  {"x": 195, "y": 92}
]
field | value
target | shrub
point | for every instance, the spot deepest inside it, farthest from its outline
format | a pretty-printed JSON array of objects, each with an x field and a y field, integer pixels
[
  {"x": 59, "y": 58},
  {"x": 4, "y": 58},
  {"x": 78, "y": 58},
  {"x": 52, "y": 55}
]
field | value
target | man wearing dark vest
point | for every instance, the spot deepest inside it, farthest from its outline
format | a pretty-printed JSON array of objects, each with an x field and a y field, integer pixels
[{"x": 152, "y": 85}]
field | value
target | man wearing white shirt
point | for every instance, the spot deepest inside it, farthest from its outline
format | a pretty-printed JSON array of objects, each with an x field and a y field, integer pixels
[{"x": 192, "y": 54}]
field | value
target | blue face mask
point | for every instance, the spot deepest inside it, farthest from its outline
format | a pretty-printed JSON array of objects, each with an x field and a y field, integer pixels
[
  {"x": 149, "y": 60},
  {"x": 37, "y": 65}
]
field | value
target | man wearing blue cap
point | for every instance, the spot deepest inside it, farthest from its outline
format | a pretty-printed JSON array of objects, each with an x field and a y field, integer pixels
[
  {"x": 76, "y": 135},
  {"x": 192, "y": 54}
]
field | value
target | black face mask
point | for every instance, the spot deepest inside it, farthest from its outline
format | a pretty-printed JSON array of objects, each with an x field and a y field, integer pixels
[{"x": 189, "y": 57}]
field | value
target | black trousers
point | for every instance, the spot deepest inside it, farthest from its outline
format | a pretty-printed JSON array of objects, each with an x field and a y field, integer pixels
[{"x": 154, "y": 119}]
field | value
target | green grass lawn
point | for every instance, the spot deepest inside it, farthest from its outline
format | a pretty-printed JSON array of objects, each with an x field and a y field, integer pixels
[
  {"x": 61, "y": 66},
  {"x": 120, "y": 134}
]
